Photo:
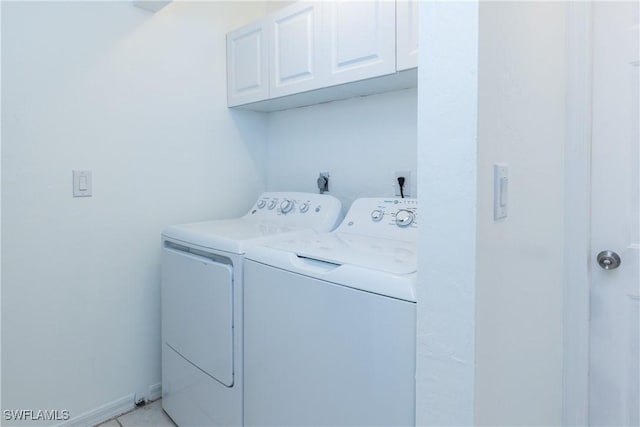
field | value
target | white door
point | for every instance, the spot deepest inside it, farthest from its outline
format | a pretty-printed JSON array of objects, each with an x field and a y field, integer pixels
[
  {"x": 360, "y": 38},
  {"x": 295, "y": 50},
  {"x": 247, "y": 64},
  {"x": 615, "y": 294}
]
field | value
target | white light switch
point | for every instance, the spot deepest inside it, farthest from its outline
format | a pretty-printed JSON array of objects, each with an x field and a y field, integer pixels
[
  {"x": 81, "y": 183},
  {"x": 500, "y": 190}
]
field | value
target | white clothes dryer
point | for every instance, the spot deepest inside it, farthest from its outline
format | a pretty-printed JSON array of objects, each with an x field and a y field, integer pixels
[
  {"x": 202, "y": 306},
  {"x": 330, "y": 322}
]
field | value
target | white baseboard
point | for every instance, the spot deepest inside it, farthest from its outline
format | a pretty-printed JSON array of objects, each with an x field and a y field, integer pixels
[
  {"x": 155, "y": 392},
  {"x": 102, "y": 413}
]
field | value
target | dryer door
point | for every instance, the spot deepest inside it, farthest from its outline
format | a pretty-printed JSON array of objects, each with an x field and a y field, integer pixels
[{"x": 197, "y": 310}]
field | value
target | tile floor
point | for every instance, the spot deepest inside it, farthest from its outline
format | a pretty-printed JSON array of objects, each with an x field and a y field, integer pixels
[{"x": 149, "y": 415}]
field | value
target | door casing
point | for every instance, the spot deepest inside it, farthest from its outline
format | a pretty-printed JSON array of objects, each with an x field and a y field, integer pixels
[{"x": 577, "y": 215}]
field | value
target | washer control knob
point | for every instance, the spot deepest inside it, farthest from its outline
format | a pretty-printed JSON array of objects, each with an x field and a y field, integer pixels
[
  {"x": 261, "y": 204},
  {"x": 305, "y": 207},
  {"x": 272, "y": 204},
  {"x": 377, "y": 215},
  {"x": 404, "y": 218},
  {"x": 286, "y": 206}
]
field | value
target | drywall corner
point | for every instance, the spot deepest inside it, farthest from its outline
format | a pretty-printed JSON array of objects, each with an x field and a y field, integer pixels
[{"x": 447, "y": 126}]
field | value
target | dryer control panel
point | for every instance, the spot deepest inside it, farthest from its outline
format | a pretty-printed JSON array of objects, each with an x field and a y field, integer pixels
[
  {"x": 383, "y": 217},
  {"x": 298, "y": 209}
]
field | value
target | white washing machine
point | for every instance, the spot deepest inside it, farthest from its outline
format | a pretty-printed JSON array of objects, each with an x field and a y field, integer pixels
[
  {"x": 330, "y": 322},
  {"x": 202, "y": 272}
]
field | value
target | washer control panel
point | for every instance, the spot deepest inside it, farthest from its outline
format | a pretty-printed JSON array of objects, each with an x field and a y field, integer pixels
[{"x": 393, "y": 218}]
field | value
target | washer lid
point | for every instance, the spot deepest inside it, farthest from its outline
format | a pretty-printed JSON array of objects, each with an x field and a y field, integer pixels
[
  {"x": 230, "y": 235},
  {"x": 386, "y": 255},
  {"x": 400, "y": 286}
]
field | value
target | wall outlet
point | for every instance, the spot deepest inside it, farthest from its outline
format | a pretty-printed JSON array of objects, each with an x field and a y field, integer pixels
[
  {"x": 408, "y": 191},
  {"x": 323, "y": 181}
]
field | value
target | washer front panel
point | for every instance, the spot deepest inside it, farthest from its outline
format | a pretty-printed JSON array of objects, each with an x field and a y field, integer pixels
[{"x": 317, "y": 353}]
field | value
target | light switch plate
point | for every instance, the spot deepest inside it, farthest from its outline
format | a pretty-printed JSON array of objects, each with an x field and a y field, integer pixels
[
  {"x": 82, "y": 185},
  {"x": 500, "y": 190}
]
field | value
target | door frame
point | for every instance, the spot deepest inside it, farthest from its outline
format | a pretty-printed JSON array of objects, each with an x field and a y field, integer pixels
[{"x": 577, "y": 215}]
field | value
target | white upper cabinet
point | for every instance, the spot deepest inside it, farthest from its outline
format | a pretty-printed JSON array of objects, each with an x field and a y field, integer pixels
[
  {"x": 406, "y": 34},
  {"x": 295, "y": 52},
  {"x": 317, "y": 51},
  {"x": 247, "y": 65},
  {"x": 360, "y": 38}
]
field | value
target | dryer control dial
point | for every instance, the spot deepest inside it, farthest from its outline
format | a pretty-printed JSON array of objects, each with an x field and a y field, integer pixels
[
  {"x": 304, "y": 208},
  {"x": 286, "y": 206},
  {"x": 377, "y": 215},
  {"x": 272, "y": 204},
  {"x": 261, "y": 204},
  {"x": 404, "y": 218}
]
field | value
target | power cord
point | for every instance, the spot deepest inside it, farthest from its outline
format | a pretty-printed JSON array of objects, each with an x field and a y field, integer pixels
[{"x": 401, "y": 184}]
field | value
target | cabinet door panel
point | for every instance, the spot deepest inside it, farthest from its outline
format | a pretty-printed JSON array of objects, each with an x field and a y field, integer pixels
[
  {"x": 407, "y": 34},
  {"x": 295, "y": 49},
  {"x": 247, "y": 70},
  {"x": 361, "y": 39}
]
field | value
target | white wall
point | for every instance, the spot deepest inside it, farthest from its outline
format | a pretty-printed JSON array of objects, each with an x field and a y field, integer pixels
[
  {"x": 0, "y": 204},
  {"x": 447, "y": 118},
  {"x": 273, "y": 5},
  {"x": 360, "y": 141},
  {"x": 520, "y": 259},
  {"x": 140, "y": 99}
]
